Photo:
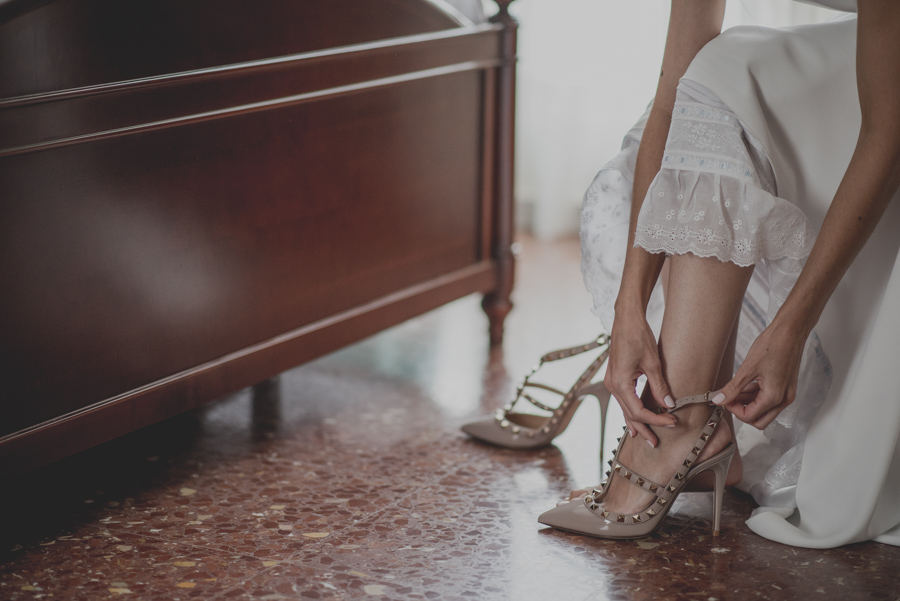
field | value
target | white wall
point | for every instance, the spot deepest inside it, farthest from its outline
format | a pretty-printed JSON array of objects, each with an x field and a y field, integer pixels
[{"x": 587, "y": 69}]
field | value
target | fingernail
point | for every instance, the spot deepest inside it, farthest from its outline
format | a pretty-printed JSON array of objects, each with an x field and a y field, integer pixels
[
  {"x": 631, "y": 431},
  {"x": 669, "y": 426},
  {"x": 651, "y": 444},
  {"x": 669, "y": 401},
  {"x": 717, "y": 400}
]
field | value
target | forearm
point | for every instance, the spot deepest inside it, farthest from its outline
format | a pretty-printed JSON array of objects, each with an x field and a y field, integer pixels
[
  {"x": 641, "y": 267},
  {"x": 691, "y": 25}
]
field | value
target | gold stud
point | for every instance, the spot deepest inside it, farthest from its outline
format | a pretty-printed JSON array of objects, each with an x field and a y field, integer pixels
[
  {"x": 687, "y": 463},
  {"x": 607, "y": 474},
  {"x": 620, "y": 519},
  {"x": 705, "y": 437},
  {"x": 679, "y": 476},
  {"x": 653, "y": 488},
  {"x": 640, "y": 481},
  {"x": 504, "y": 424},
  {"x": 610, "y": 462},
  {"x": 618, "y": 469},
  {"x": 663, "y": 501},
  {"x": 671, "y": 488},
  {"x": 627, "y": 474},
  {"x": 650, "y": 512},
  {"x": 604, "y": 513},
  {"x": 696, "y": 451},
  {"x": 636, "y": 518}
]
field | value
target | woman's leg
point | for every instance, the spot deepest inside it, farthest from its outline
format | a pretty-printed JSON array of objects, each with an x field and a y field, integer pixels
[{"x": 696, "y": 344}]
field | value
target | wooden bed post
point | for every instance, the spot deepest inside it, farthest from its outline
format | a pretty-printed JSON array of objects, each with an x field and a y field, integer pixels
[{"x": 496, "y": 303}]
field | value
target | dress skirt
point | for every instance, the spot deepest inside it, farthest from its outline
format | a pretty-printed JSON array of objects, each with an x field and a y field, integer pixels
[{"x": 763, "y": 128}]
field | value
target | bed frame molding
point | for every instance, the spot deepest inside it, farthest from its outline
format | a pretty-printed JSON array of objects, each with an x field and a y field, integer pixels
[{"x": 183, "y": 216}]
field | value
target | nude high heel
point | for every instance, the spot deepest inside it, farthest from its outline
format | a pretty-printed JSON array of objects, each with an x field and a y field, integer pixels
[
  {"x": 586, "y": 515},
  {"x": 514, "y": 430}
]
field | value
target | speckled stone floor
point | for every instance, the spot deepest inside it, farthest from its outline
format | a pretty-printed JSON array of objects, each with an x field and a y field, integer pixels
[{"x": 347, "y": 478}]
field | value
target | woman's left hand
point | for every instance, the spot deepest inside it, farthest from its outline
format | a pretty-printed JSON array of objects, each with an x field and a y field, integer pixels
[{"x": 766, "y": 382}]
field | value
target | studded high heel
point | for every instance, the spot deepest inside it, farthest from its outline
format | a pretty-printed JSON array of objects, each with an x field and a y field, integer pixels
[
  {"x": 514, "y": 430},
  {"x": 586, "y": 515}
]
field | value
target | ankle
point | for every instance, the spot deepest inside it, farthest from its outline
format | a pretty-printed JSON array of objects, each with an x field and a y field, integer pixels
[{"x": 687, "y": 420}]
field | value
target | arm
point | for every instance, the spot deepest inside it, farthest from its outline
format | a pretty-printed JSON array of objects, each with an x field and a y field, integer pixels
[
  {"x": 871, "y": 180},
  {"x": 633, "y": 351}
]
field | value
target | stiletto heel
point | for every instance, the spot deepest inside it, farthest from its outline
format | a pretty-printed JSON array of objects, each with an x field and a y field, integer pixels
[
  {"x": 598, "y": 389},
  {"x": 514, "y": 430},
  {"x": 720, "y": 470},
  {"x": 586, "y": 515}
]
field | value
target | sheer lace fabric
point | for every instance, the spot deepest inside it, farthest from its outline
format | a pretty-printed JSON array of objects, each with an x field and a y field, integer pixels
[{"x": 714, "y": 197}]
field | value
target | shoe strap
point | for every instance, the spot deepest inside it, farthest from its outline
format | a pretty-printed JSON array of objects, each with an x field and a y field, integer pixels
[
  {"x": 620, "y": 469},
  {"x": 663, "y": 494},
  {"x": 601, "y": 340},
  {"x": 688, "y": 400},
  {"x": 590, "y": 372},
  {"x": 536, "y": 402}
]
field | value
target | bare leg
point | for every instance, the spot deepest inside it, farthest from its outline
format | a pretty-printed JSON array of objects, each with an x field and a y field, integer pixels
[
  {"x": 705, "y": 480},
  {"x": 696, "y": 349}
]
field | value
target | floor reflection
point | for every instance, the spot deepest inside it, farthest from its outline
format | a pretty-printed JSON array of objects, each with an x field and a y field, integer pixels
[{"x": 265, "y": 408}]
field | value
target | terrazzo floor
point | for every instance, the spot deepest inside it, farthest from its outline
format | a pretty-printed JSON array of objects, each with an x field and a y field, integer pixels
[{"x": 348, "y": 478}]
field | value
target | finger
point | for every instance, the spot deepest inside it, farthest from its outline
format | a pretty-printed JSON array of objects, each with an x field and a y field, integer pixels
[
  {"x": 645, "y": 416},
  {"x": 728, "y": 393},
  {"x": 751, "y": 388},
  {"x": 764, "y": 402},
  {"x": 748, "y": 394},
  {"x": 769, "y": 416},
  {"x": 646, "y": 433},
  {"x": 635, "y": 412},
  {"x": 629, "y": 401},
  {"x": 658, "y": 386}
]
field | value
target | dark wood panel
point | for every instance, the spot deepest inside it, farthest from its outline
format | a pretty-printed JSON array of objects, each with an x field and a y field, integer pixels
[
  {"x": 73, "y": 43},
  {"x": 189, "y": 210},
  {"x": 48, "y": 117},
  {"x": 93, "y": 425},
  {"x": 141, "y": 256}
]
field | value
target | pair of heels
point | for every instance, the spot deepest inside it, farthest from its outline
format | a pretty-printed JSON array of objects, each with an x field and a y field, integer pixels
[{"x": 586, "y": 514}]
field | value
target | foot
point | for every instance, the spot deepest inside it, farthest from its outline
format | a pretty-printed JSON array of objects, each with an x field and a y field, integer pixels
[{"x": 660, "y": 463}]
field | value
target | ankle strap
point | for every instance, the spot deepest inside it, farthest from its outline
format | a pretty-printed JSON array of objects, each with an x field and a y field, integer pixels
[
  {"x": 601, "y": 340},
  {"x": 690, "y": 400}
]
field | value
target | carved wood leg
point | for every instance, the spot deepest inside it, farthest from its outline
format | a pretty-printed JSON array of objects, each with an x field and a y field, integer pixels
[{"x": 497, "y": 304}]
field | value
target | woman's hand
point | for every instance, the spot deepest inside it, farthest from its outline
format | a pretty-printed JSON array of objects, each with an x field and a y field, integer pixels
[
  {"x": 766, "y": 382},
  {"x": 871, "y": 181},
  {"x": 633, "y": 353}
]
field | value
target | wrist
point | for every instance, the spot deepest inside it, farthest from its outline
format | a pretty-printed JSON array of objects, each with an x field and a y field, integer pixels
[
  {"x": 794, "y": 325},
  {"x": 632, "y": 301}
]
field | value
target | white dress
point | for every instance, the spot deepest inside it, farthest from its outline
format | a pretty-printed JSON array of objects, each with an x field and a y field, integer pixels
[{"x": 764, "y": 125}]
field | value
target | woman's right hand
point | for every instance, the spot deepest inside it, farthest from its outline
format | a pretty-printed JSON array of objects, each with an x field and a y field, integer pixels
[{"x": 633, "y": 353}]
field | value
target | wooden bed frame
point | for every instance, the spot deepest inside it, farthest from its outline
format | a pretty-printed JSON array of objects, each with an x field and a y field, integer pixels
[{"x": 196, "y": 195}]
